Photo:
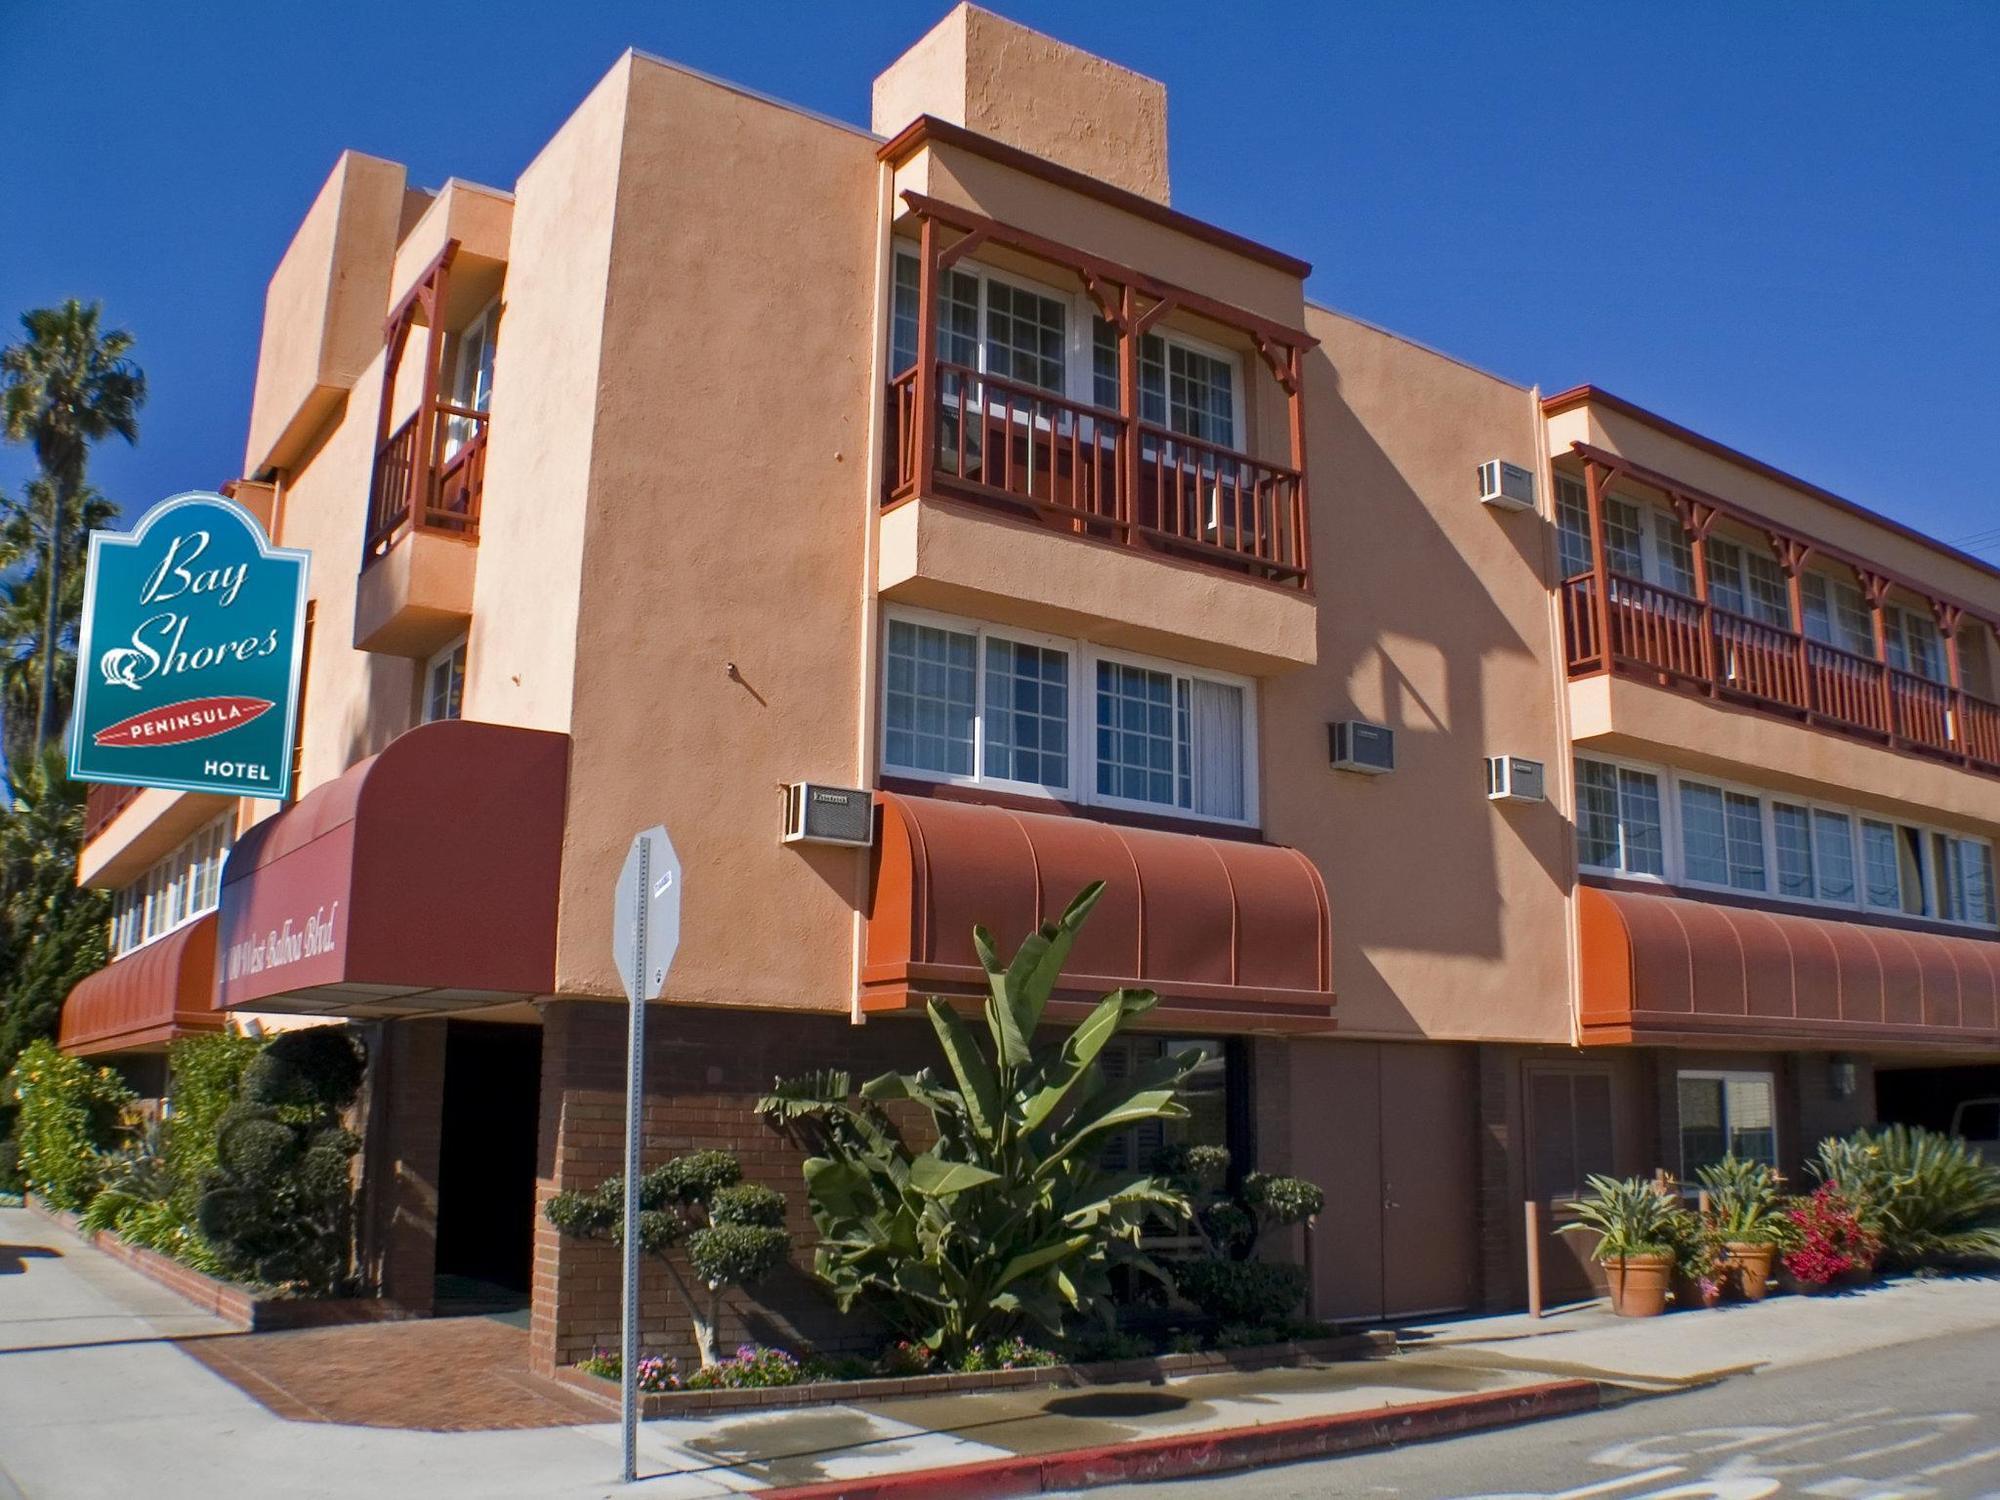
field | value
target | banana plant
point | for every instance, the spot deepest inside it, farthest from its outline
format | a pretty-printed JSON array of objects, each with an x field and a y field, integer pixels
[{"x": 1006, "y": 1219}]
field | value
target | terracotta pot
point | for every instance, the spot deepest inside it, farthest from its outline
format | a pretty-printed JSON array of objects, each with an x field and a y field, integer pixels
[
  {"x": 1751, "y": 1268},
  {"x": 1638, "y": 1284}
]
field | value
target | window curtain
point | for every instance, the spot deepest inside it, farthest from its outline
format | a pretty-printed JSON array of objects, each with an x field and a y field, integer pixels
[{"x": 1218, "y": 749}]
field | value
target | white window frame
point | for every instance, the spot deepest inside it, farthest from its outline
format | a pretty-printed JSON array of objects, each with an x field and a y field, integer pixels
[
  {"x": 1676, "y": 874},
  {"x": 1082, "y": 759},
  {"x": 1079, "y": 340},
  {"x": 1669, "y": 821},
  {"x": 437, "y": 660},
  {"x": 143, "y": 912},
  {"x": 1724, "y": 1076}
]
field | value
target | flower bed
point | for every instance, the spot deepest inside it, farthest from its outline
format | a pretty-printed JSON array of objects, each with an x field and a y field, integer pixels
[
  {"x": 249, "y": 1308},
  {"x": 691, "y": 1403}
]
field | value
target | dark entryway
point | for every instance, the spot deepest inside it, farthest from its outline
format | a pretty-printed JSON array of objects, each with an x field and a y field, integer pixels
[
  {"x": 1929, "y": 1096},
  {"x": 486, "y": 1164}
]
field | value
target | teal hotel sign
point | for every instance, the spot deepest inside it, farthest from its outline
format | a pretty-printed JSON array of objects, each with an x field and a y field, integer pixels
[{"x": 187, "y": 664}]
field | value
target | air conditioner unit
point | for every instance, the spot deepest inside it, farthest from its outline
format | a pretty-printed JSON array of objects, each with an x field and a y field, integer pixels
[
  {"x": 1512, "y": 778},
  {"x": 1506, "y": 486},
  {"x": 816, "y": 814},
  {"x": 1356, "y": 745}
]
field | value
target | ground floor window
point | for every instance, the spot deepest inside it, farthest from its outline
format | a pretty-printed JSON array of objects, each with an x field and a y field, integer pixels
[
  {"x": 1205, "y": 1093},
  {"x": 1727, "y": 1114}
]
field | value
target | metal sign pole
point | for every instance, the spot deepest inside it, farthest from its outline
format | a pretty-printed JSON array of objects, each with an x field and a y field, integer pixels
[{"x": 635, "y": 1096}]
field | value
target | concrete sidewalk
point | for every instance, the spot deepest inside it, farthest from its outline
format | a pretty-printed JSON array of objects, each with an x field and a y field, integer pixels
[{"x": 97, "y": 1398}]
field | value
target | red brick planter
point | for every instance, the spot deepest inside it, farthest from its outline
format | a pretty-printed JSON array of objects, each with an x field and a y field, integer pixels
[
  {"x": 835, "y": 1392},
  {"x": 248, "y": 1309}
]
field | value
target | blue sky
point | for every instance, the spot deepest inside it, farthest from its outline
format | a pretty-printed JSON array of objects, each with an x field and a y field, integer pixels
[{"x": 1776, "y": 223}]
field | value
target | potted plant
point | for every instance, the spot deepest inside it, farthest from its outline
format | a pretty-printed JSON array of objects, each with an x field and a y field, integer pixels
[
  {"x": 1635, "y": 1225},
  {"x": 1743, "y": 1208},
  {"x": 1702, "y": 1267}
]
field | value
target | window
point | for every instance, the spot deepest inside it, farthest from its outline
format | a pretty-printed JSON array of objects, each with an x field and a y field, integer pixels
[
  {"x": 1836, "y": 614},
  {"x": 1726, "y": 1114},
  {"x": 472, "y": 378},
  {"x": 1913, "y": 643},
  {"x": 1747, "y": 583},
  {"x": 185, "y": 885},
  {"x": 1026, "y": 334},
  {"x": 1624, "y": 538},
  {"x": 1722, "y": 836},
  {"x": 932, "y": 698},
  {"x": 1572, "y": 526},
  {"x": 1618, "y": 819},
  {"x": 1673, "y": 553},
  {"x": 1815, "y": 853},
  {"x": 903, "y": 314},
  {"x": 1205, "y": 1093},
  {"x": 444, "y": 683},
  {"x": 1181, "y": 388},
  {"x": 1170, "y": 740},
  {"x": 1881, "y": 866},
  {"x": 1964, "y": 878},
  {"x": 984, "y": 323},
  {"x": 985, "y": 704}
]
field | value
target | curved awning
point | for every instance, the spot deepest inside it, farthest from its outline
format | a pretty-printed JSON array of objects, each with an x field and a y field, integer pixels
[
  {"x": 1670, "y": 970},
  {"x": 1234, "y": 935},
  {"x": 147, "y": 998},
  {"x": 421, "y": 879}
]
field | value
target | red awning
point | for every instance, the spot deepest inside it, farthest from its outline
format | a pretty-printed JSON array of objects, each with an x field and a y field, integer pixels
[
  {"x": 421, "y": 879},
  {"x": 147, "y": 998},
  {"x": 1233, "y": 935},
  {"x": 1667, "y": 969}
]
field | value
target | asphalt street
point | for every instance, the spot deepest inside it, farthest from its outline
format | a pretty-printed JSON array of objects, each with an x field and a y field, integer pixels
[{"x": 1908, "y": 1422}]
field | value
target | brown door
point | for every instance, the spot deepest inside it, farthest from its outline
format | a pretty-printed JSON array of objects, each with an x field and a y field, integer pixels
[
  {"x": 1429, "y": 1186},
  {"x": 1569, "y": 1133},
  {"x": 1392, "y": 1146}
]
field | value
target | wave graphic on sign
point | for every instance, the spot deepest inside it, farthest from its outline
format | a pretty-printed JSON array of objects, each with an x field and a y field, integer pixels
[{"x": 177, "y": 723}]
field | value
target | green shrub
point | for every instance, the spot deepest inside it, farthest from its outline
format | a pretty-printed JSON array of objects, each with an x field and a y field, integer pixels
[
  {"x": 732, "y": 1231},
  {"x": 10, "y": 1165},
  {"x": 278, "y": 1205},
  {"x": 69, "y": 1117},
  {"x": 1241, "y": 1291},
  {"x": 1629, "y": 1216},
  {"x": 1006, "y": 1220},
  {"x": 1744, "y": 1203},
  {"x": 1926, "y": 1197}
]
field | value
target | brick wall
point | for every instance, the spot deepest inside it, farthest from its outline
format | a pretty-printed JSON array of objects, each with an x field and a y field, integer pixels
[
  {"x": 405, "y": 1101},
  {"x": 705, "y": 1070}
]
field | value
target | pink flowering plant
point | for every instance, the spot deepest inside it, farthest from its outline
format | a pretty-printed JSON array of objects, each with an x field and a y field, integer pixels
[
  {"x": 1831, "y": 1239},
  {"x": 752, "y": 1367},
  {"x": 657, "y": 1372}
]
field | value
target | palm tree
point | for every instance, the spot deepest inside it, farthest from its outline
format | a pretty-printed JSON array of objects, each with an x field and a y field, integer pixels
[
  {"x": 68, "y": 385},
  {"x": 24, "y": 603}
]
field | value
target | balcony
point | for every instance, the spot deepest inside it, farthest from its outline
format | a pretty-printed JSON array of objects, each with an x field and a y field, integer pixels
[
  {"x": 1616, "y": 623},
  {"x": 102, "y": 803},
  {"x": 418, "y": 549},
  {"x": 1015, "y": 501}
]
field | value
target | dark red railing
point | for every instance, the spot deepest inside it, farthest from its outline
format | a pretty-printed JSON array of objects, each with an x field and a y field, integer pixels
[
  {"x": 1659, "y": 632},
  {"x": 1072, "y": 463},
  {"x": 419, "y": 486}
]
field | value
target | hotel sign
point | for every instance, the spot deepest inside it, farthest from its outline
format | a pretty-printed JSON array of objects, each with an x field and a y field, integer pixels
[{"x": 187, "y": 670}]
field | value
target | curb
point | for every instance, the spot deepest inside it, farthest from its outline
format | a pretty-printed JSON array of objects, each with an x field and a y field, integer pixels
[{"x": 1216, "y": 1452}]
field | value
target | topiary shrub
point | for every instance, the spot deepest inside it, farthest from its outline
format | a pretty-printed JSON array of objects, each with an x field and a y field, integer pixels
[
  {"x": 278, "y": 1204},
  {"x": 731, "y": 1231},
  {"x": 1226, "y": 1280},
  {"x": 69, "y": 1118}
]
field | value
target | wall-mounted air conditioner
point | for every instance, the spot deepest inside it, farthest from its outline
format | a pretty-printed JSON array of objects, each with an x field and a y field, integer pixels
[
  {"x": 1513, "y": 778},
  {"x": 1506, "y": 486},
  {"x": 816, "y": 814},
  {"x": 1357, "y": 745}
]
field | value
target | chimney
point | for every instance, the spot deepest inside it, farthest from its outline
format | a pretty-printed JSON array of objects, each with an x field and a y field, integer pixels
[{"x": 991, "y": 75}]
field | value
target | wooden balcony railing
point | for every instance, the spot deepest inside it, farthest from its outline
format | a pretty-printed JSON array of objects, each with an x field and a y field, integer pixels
[
  {"x": 428, "y": 477},
  {"x": 102, "y": 803},
  {"x": 1003, "y": 441},
  {"x": 958, "y": 432},
  {"x": 1660, "y": 633}
]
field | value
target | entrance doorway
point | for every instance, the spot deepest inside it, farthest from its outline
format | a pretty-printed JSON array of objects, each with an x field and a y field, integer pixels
[{"x": 486, "y": 1165}]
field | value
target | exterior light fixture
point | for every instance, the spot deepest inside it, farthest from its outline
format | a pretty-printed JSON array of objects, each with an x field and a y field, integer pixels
[{"x": 1843, "y": 1076}]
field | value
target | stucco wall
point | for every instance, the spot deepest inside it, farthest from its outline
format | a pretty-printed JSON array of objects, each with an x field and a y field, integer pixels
[
  {"x": 728, "y": 506},
  {"x": 548, "y": 365},
  {"x": 1448, "y": 909},
  {"x": 323, "y": 308},
  {"x": 998, "y": 77}
]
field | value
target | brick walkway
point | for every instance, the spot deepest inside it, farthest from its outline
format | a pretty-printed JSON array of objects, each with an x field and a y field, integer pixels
[{"x": 437, "y": 1375}]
